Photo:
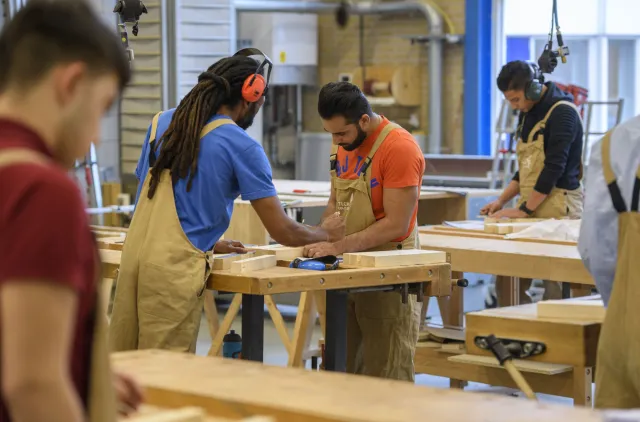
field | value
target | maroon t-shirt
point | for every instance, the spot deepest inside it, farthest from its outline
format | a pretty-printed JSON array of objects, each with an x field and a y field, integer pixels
[{"x": 45, "y": 235}]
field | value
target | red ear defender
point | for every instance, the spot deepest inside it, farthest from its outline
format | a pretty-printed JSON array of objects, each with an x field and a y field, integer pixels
[{"x": 253, "y": 88}]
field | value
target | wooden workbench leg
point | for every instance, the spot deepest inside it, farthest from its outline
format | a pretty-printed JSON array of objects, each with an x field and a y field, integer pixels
[
  {"x": 457, "y": 384},
  {"x": 580, "y": 290},
  {"x": 452, "y": 307},
  {"x": 278, "y": 321},
  {"x": 582, "y": 386},
  {"x": 232, "y": 312},
  {"x": 321, "y": 305},
  {"x": 305, "y": 320},
  {"x": 507, "y": 291},
  {"x": 211, "y": 312},
  {"x": 107, "y": 288}
]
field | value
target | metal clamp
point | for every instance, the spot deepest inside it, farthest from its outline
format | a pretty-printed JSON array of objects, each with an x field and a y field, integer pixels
[{"x": 519, "y": 349}]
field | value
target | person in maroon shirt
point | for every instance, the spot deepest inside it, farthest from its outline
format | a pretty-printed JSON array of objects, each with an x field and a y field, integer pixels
[{"x": 62, "y": 68}]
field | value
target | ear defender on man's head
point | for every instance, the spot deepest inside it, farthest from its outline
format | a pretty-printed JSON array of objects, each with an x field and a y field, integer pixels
[
  {"x": 254, "y": 88},
  {"x": 533, "y": 89}
]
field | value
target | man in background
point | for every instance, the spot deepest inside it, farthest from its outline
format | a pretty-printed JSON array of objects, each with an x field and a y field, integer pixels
[
  {"x": 549, "y": 152},
  {"x": 62, "y": 69}
]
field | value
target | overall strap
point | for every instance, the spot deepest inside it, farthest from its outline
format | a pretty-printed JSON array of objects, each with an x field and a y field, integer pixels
[
  {"x": 543, "y": 122},
  {"x": 379, "y": 140},
  {"x": 610, "y": 178},
  {"x": 21, "y": 155},
  {"x": 204, "y": 132}
]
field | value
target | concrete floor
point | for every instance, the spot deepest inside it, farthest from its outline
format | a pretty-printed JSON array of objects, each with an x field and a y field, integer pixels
[{"x": 274, "y": 353}]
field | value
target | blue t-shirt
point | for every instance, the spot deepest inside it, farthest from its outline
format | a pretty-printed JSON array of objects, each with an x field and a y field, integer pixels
[{"x": 230, "y": 163}]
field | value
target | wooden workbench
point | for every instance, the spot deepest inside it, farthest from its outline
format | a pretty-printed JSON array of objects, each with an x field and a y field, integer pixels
[
  {"x": 255, "y": 285},
  {"x": 238, "y": 389},
  {"x": 512, "y": 259},
  {"x": 435, "y": 206},
  {"x": 565, "y": 368}
]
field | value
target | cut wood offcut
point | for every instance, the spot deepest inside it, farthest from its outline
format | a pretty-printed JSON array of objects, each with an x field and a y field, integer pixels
[
  {"x": 394, "y": 258},
  {"x": 254, "y": 264},
  {"x": 589, "y": 310},
  {"x": 223, "y": 262},
  {"x": 285, "y": 253}
]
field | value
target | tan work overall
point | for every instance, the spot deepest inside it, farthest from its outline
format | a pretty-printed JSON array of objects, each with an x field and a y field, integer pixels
[
  {"x": 382, "y": 332},
  {"x": 160, "y": 289},
  {"x": 101, "y": 403},
  {"x": 559, "y": 203},
  {"x": 618, "y": 363}
]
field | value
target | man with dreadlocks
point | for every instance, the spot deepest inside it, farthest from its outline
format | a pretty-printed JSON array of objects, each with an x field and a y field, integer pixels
[{"x": 197, "y": 159}]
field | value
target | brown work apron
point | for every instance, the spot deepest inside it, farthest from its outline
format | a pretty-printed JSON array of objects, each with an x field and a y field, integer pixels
[
  {"x": 160, "y": 288},
  {"x": 382, "y": 332},
  {"x": 101, "y": 402},
  {"x": 618, "y": 362},
  {"x": 559, "y": 203}
]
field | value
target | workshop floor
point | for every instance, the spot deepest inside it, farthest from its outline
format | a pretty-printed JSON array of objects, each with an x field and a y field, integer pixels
[{"x": 274, "y": 353}]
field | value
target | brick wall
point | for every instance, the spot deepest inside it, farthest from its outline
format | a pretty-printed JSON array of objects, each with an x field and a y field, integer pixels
[{"x": 384, "y": 44}]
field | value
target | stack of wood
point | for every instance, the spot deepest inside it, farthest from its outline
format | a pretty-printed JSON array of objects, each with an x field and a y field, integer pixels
[
  {"x": 508, "y": 225},
  {"x": 447, "y": 340}
]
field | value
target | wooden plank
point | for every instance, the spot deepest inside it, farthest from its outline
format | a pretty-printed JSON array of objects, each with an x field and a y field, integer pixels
[
  {"x": 521, "y": 364},
  {"x": 589, "y": 310},
  {"x": 431, "y": 361},
  {"x": 235, "y": 388},
  {"x": 380, "y": 259},
  {"x": 452, "y": 231},
  {"x": 224, "y": 261},
  {"x": 511, "y": 258},
  {"x": 254, "y": 264},
  {"x": 285, "y": 253},
  {"x": 186, "y": 414},
  {"x": 506, "y": 228}
]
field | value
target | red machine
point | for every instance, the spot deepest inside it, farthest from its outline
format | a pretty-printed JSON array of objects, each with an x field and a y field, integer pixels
[{"x": 579, "y": 93}]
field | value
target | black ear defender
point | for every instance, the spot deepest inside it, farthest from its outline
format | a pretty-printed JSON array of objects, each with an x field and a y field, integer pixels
[{"x": 533, "y": 89}]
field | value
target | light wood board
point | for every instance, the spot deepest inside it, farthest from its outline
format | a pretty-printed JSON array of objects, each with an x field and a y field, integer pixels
[
  {"x": 588, "y": 310},
  {"x": 513, "y": 259},
  {"x": 393, "y": 258},
  {"x": 521, "y": 364},
  {"x": 234, "y": 389}
]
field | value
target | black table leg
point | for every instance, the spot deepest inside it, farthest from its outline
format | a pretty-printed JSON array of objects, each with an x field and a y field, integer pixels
[
  {"x": 252, "y": 327},
  {"x": 335, "y": 354},
  {"x": 566, "y": 290}
]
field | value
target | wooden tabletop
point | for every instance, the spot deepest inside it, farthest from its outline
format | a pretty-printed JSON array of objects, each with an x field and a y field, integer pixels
[
  {"x": 235, "y": 389},
  {"x": 288, "y": 280},
  {"x": 511, "y": 258}
]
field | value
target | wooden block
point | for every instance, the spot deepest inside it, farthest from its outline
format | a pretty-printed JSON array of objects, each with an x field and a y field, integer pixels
[
  {"x": 394, "y": 258},
  {"x": 506, "y": 228},
  {"x": 223, "y": 261},
  {"x": 521, "y": 364},
  {"x": 590, "y": 310},
  {"x": 254, "y": 264},
  {"x": 440, "y": 334},
  {"x": 284, "y": 253},
  {"x": 186, "y": 414}
]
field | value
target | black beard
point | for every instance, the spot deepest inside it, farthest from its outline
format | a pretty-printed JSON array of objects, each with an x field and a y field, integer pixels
[
  {"x": 246, "y": 121},
  {"x": 362, "y": 135}
]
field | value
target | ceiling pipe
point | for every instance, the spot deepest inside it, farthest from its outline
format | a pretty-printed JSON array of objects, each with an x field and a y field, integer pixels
[{"x": 435, "y": 29}]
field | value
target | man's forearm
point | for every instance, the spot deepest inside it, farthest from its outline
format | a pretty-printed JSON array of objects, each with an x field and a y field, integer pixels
[
  {"x": 300, "y": 235},
  {"x": 379, "y": 233},
  {"x": 54, "y": 401},
  {"x": 535, "y": 199},
  {"x": 510, "y": 192}
]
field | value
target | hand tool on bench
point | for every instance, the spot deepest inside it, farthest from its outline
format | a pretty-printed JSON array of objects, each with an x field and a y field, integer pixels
[
  {"x": 325, "y": 263},
  {"x": 506, "y": 360}
]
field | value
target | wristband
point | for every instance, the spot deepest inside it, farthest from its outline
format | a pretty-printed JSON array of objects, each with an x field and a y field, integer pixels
[{"x": 526, "y": 210}]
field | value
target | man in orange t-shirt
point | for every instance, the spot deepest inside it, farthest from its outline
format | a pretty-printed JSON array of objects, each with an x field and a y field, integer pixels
[{"x": 376, "y": 177}]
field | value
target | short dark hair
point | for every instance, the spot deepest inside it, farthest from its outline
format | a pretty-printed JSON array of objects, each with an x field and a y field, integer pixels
[
  {"x": 515, "y": 75},
  {"x": 46, "y": 33},
  {"x": 220, "y": 85},
  {"x": 343, "y": 99}
]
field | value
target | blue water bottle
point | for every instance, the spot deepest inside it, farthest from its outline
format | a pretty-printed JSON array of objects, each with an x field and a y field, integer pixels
[{"x": 232, "y": 345}]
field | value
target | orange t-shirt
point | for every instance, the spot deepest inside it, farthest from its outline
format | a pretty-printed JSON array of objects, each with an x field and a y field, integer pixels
[{"x": 398, "y": 163}]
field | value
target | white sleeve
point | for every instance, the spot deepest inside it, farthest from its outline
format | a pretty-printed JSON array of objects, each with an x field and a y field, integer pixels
[{"x": 598, "y": 242}]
